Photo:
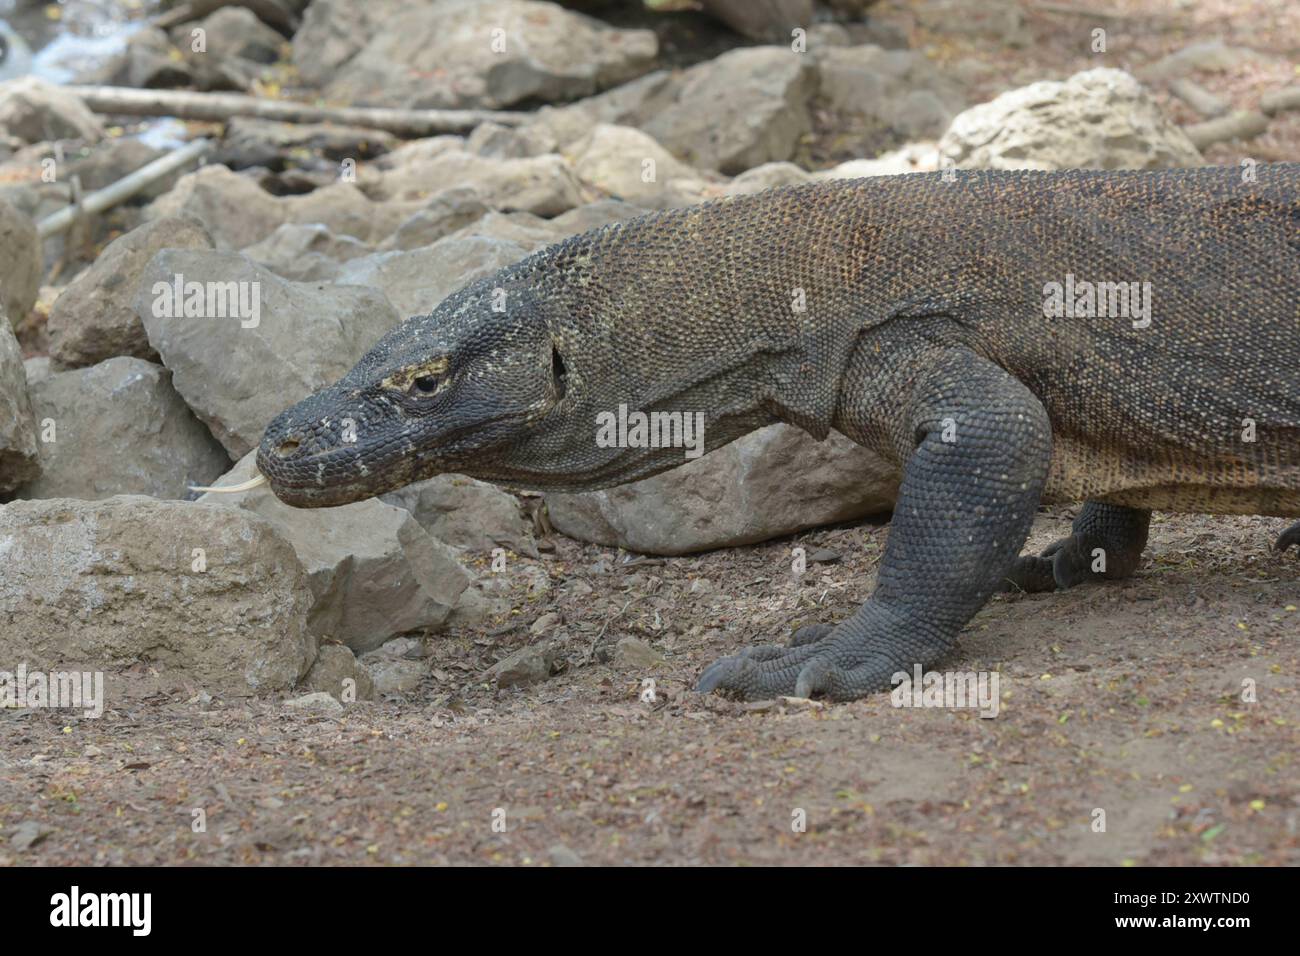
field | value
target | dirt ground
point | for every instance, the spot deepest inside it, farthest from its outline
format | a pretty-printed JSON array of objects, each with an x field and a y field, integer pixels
[{"x": 1125, "y": 697}]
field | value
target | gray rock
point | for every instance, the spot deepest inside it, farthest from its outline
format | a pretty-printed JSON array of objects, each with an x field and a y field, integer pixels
[
  {"x": 347, "y": 211},
  {"x": 542, "y": 185},
  {"x": 237, "y": 376},
  {"x": 27, "y": 835},
  {"x": 306, "y": 252},
  {"x": 489, "y": 53},
  {"x": 212, "y": 596},
  {"x": 150, "y": 61},
  {"x": 594, "y": 215},
  {"x": 529, "y": 665},
  {"x": 561, "y": 855},
  {"x": 374, "y": 572},
  {"x": 911, "y": 158},
  {"x": 417, "y": 280},
  {"x": 233, "y": 208},
  {"x": 772, "y": 482},
  {"x": 630, "y": 104},
  {"x": 19, "y": 454},
  {"x": 467, "y": 513},
  {"x": 335, "y": 667},
  {"x": 37, "y": 369},
  {"x": 494, "y": 141},
  {"x": 119, "y": 428},
  {"x": 318, "y": 702},
  {"x": 900, "y": 89},
  {"x": 36, "y": 111},
  {"x": 334, "y": 31},
  {"x": 94, "y": 318},
  {"x": 394, "y": 677},
  {"x": 449, "y": 210},
  {"x": 236, "y": 32},
  {"x": 628, "y": 164},
  {"x": 768, "y": 176},
  {"x": 634, "y": 653},
  {"x": 20, "y": 263},
  {"x": 744, "y": 108},
  {"x": 397, "y": 667},
  {"x": 1099, "y": 119},
  {"x": 770, "y": 20}
]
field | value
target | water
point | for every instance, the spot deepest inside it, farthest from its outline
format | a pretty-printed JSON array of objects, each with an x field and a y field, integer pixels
[{"x": 83, "y": 35}]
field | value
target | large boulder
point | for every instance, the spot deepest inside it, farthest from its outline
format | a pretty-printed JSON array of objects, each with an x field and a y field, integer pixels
[
  {"x": 19, "y": 456},
  {"x": 306, "y": 252},
  {"x": 94, "y": 317},
  {"x": 374, "y": 571},
  {"x": 208, "y": 596},
  {"x": 20, "y": 262},
  {"x": 626, "y": 163},
  {"x": 38, "y": 112},
  {"x": 233, "y": 208},
  {"x": 773, "y": 482},
  {"x": 415, "y": 281},
  {"x": 467, "y": 513},
  {"x": 542, "y": 185},
  {"x": 900, "y": 90},
  {"x": 1099, "y": 119},
  {"x": 119, "y": 428},
  {"x": 346, "y": 211},
  {"x": 238, "y": 366},
  {"x": 771, "y": 20},
  {"x": 488, "y": 53},
  {"x": 744, "y": 108}
]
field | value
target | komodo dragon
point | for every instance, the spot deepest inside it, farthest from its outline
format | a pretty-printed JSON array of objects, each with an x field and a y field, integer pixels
[{"x": 927, "y": 317}]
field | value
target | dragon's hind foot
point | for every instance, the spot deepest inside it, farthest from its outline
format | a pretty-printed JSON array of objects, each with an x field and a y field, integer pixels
[
  {"x": 1288, "y": 538},
  {"x": 1106, "y": 544}
]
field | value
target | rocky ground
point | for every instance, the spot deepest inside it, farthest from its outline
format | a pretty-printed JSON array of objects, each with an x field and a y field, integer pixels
[
  {"x": 461, "y": 674},
  {"x": 1123, "y": 698}
]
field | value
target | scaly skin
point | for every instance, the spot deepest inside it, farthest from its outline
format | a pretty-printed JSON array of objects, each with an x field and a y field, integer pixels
[{"x": 922, "y": 336}]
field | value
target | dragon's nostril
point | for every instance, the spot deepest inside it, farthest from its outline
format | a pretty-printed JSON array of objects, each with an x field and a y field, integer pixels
[{"x": 287, "y": 447}]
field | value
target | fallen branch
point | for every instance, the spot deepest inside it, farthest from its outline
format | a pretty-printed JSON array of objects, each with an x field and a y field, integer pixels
[
  {"x": 1244, "y": 124},
  {"x": 1198, "y": 98},
  {"x": 1276, "y": 101},
  {"x": 220, "y": 107},
  {"x": 123, "y": 189}
]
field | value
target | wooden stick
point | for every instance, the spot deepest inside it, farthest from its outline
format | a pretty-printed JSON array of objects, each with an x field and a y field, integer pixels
[
  {"x": 1275, "y": 101},
  {"x": 1243, "y": 124},
  {"x": 219, "y": 107},
  {"x": 123, "y": 189}
]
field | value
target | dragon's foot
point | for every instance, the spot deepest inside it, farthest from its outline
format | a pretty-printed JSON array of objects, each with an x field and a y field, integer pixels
[
  {"x": 1288, "y": 538},
  {"x": 1106, "y": 544},
  {"x": 839, "y": 663}
]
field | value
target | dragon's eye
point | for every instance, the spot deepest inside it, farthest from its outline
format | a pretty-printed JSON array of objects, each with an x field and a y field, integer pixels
[{"x": 425, "y": 383}]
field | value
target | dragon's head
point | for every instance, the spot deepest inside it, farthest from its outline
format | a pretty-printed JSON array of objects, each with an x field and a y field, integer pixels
[{"x": 450, "y": 391}]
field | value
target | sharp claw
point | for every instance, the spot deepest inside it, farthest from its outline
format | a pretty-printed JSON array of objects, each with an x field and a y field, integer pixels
[
  {"x": 715, "y": 674},
  {"x": 814, "y": 678}
]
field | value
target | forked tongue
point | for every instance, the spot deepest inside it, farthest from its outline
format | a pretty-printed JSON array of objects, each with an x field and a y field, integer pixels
[{"x": 255, "y": 482}]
